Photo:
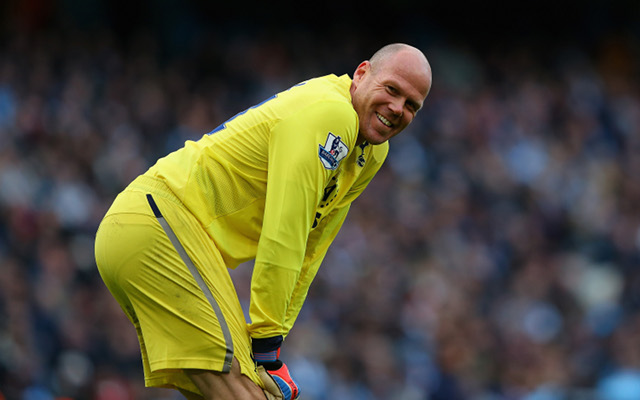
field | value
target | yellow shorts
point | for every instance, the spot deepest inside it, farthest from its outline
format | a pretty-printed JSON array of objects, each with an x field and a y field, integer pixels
[{"x": 171, "y": 281}]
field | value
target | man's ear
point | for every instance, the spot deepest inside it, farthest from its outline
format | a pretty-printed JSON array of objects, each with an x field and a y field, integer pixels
[{"x": 362, "y": 69}]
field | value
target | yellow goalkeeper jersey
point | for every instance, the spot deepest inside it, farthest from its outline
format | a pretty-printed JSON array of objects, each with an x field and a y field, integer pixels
[{"x": 274, "y": 184}]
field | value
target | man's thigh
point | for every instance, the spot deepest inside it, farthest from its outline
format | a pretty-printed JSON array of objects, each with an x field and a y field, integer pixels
[
  {"x": 177, "y": 324},
  {"x": 231, "y": 385}
]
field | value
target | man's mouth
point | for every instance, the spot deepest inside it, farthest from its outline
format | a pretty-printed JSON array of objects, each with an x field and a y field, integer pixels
[{"x": 384, "y": 120}]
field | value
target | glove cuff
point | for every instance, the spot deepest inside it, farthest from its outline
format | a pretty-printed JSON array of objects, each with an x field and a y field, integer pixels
[
  {"x": 272, "y": 365},
  {"x": 266, "y": 350}
]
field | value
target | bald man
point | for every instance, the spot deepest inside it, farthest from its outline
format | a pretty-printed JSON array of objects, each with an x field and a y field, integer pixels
[{"x": 272, "y": 184}]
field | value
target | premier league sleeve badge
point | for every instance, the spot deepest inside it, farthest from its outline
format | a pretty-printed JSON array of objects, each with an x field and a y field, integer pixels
[{"x": 333, "y": 151}]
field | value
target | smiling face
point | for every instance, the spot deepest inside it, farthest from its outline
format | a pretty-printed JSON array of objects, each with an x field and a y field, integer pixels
[{"x": 387, "y": 93}]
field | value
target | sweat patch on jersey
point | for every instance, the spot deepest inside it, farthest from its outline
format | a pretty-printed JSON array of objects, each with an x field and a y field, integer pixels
[{"x": 333, "y": 151}]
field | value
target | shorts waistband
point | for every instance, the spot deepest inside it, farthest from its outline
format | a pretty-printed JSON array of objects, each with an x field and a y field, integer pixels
[{"x": 155, "y": 186}]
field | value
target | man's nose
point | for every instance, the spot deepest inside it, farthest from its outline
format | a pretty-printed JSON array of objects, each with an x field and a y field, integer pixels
[{"x": 397, "y": 106}]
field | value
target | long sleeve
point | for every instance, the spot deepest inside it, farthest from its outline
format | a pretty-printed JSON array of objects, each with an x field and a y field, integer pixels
[
  {"x": 328, "y": 227},
  {"x": 295, "y": 185},
  {"x": 319, "y": 241}
]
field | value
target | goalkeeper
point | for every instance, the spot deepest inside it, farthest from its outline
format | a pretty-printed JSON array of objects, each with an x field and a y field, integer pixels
[{"x": 272, "y": 184}]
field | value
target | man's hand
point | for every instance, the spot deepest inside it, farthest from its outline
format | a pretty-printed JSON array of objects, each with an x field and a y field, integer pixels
[
  {"x": 273, "y": 372},
  {"x": 278, "y": 382}
]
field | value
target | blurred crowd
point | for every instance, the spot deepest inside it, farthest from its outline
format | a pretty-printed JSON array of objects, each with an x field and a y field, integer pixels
[{"x": 496, "y": 255}]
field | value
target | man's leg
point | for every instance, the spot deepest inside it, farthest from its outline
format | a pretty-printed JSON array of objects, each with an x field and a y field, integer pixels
[
  {"x": 189, "y": 395},
  {"x": 232, "y": 385},
  {"x": 146, "y": 273}
]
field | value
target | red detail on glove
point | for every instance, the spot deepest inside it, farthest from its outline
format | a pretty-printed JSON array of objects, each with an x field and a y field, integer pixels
[{"x": 287, "y": 384}]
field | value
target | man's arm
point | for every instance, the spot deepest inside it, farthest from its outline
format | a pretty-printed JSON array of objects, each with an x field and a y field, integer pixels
[
  {"x": 319, "y": 241},
  {"x": 295, "y": 185}
]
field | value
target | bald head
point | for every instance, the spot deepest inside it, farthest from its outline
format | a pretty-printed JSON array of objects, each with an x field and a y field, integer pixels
[
  {"x": 388, "y": 90},
  {"x": 391, "y": 49},
  {"x": 400, "y": 51}
]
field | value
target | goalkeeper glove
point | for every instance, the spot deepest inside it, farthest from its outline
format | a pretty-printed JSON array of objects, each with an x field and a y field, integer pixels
[{"x": 273, "y": 372}]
